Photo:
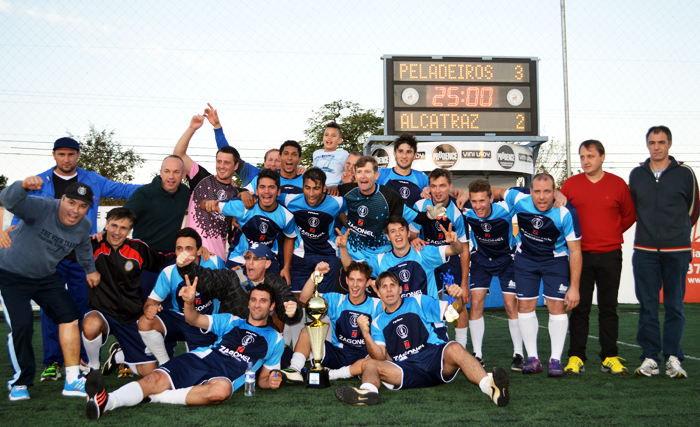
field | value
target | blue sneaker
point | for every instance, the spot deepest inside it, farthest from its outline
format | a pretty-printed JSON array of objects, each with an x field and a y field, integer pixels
[
  {"x": 532, "y": 366},
  {"x": 19, "y": 392},
  {"x": 76, "y": 388},
  {"x": 554, "y": 368}
]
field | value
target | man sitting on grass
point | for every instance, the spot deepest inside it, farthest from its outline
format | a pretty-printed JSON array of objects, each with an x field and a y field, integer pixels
[
  {"x": 205, "y": 376},
  {"x": 418, "y": 357}
]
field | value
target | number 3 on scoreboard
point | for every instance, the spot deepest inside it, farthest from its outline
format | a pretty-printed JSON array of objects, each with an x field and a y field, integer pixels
[{"x": 520, "y": 118}]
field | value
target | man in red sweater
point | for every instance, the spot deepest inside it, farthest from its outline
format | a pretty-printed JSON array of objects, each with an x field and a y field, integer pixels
[{"x": 605, "y": 210}]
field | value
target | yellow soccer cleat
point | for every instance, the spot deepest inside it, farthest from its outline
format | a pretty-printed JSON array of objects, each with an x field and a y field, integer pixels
[
  {"x": 613, "y": 366},
  {"x": 575, "y": 366}
]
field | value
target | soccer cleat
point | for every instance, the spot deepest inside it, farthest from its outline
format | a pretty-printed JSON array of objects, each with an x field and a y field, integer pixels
[
  {"x": 499, "y": 386},
  {"x": 76, "y": 388},
  {"x": 554, "y": 368},
  {"x": 292, "y": 376},
  {"x": 479, "y": 359},
  {"x": 19, "y": 392},
  {"x": 648, "y": 368},
  {"x": 517, "y": 364},
  {"x": 674, "y": 369},
  {"x": 532, "y": 366},
  {"x": 51, "y": 372},
  {"x": 97, "y": 395},
  {"x": 575, "y": 366},
  {"x": 110, "y": 365},
  {"x": 84, "y": 368},
  {"x": 125, "y": 371},
  {"x": 356, "y": 396},
  {"x": 613, "y": 366}
]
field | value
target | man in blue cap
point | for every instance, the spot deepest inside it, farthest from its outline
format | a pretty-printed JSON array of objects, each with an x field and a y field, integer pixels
[{"x": 66, "y": 152}]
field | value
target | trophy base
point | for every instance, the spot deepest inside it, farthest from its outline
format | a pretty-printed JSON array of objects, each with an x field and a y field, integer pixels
[{"x": 318, "y": 379}]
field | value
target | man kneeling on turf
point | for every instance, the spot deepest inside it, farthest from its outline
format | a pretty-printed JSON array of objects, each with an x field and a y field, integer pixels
[
  {"x": 418, "y": 357},
  {"x": 205, "y": 376}
]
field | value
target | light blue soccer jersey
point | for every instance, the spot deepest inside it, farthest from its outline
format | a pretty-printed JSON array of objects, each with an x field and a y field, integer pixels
[
  {"x": 433, "y": 235},
  {"x": 241, "y": 343},
  {"x": 169, "y": 283},
  {"x": 409, "y": 187},
  {"x": 316, "y": 225},
  {"x": 543, "y": 235},
  {"x": 343, "y": 314},
  {"x": 258, "y": 226},
  {"x": 492, "y": 237},
  {"x": 409, "y": 329},
  {"x": 416, "y": 270}
]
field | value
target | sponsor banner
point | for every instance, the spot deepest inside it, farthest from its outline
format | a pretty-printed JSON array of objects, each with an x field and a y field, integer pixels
[{"x": 692, "y": 280}]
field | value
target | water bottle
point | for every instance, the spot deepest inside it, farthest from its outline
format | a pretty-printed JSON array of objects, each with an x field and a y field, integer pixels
[{"x": 250, "y": 380}]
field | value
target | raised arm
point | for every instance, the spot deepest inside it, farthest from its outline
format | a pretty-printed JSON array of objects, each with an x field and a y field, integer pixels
[
  {"x": 184, "y": 142},
  {"x": 374, "y": 350},
  {"x": 192, "y": 316},
  {"x": 309, "y": 287},
  {"x": 342, "y": 243}
]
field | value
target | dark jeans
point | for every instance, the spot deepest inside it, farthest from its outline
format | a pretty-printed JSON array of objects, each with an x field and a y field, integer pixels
[
  {"x": 651, "y": 269},
  {"x": 601, "y": 270}
]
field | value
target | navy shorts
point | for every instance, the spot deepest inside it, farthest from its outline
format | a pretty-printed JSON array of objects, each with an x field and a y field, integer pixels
[
  {"x": 176, "y": 329},
  {"x": 135, "y": 351},
  {"x": 450, "y": 272},
  {"x": 189, "y": 369},
  {"x": 336, "y": 358},
  {"x": 483, "y": 270},
  {"x": 302, "y": 268},
  {"x": 48, "y": 292},
  {"x": 423, "y": 369},
  {"x": 553, "y": 272}
]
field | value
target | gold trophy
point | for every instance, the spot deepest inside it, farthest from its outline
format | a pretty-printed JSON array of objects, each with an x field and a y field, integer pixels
[{"x": 317, "y": 307}]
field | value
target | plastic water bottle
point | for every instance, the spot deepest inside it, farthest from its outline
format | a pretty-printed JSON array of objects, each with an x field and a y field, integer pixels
[{"x": 250, "y": 380}]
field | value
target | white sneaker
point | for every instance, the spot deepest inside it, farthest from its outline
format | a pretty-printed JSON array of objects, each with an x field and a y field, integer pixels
[
  {"x": 674, "y": 369},
  {"x": 648, "y": 368}
]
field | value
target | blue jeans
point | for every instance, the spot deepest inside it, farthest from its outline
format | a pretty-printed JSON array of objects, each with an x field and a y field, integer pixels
[{"x": 651, "y": 270}]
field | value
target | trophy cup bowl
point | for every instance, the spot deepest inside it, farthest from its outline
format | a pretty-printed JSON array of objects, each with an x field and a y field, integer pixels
[{"x": 316, "y": 308}]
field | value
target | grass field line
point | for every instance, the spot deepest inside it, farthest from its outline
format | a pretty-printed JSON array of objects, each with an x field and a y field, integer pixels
[{"x": 592, "y": 336}]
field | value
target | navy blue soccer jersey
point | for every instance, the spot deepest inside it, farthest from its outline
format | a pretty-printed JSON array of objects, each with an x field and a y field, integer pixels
[
  {"x": 492, "y": 237},
  {"x": 169, "y": 283},
  {"x": 433, "y": 234},
  {"x": 416, "y": 270},
  {"x": 316, "y": 225},
  {"x": 343, "y": 314},
  {"x": 287, "y": 186},
  {"x": 409, "y": 187},
  {"x": 408, "y": 330},
  {"x": 241, "y": 343},
  {"x": 258, "y": 226},
  {"x": 543, "y": 235},
  {"x": 366, "y": 218}
]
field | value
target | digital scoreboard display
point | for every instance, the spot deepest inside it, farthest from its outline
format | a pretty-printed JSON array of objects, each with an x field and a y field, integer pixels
[{"x": 461, "y": 96}]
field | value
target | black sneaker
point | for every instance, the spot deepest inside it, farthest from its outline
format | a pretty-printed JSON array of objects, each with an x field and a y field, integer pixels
[
  {"x": 355, "y": 396},
  {"x": 499, "y": 386},
  {"x": 481, "y": 360},
  {"x": 518, "y": 363},
  {"x": 97, "y": 395},
  {"x": 110, "y": 365}
]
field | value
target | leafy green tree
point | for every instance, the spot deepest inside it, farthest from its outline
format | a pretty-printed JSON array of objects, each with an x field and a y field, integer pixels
[
  {"x": 552, "y": 159},
  {"x": 358, "y": 125},
  {"x": 101, "y": 153}
]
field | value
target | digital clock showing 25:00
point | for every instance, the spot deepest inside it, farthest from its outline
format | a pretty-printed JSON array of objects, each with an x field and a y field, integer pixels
[{"x": 461, "y": 95}]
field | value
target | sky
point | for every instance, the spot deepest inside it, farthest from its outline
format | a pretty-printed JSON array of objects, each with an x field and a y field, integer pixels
[{"x": 144, "y": 69}]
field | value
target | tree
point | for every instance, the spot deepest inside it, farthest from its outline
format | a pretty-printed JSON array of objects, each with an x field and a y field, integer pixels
[
  {"x": 552, "y": 159},
  {"x": 357, "y": 124},
  {"x": 99, "y": 152}
]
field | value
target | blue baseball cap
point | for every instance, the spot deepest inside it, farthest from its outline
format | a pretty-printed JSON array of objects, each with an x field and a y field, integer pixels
[
  {"x": 260, "y": 251},
  {"x": 66, "y": 142}
]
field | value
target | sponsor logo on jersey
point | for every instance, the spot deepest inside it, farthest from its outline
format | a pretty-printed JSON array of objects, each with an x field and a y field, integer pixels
[
  {"x": 511, "y": 285},
  {"x": 362, "y": 211},
  {"x": 537, "y": 222},
  {"x": 405, "y": 192},
  {"x": 129, "y": 266},
  {"x": 402, "y": 331},
  {"x": 353, "y": 319},
  {"x": 404, "y": 275},
  {"x": 314, "y": 222},
  {"x": 221, "y": 195},
  {"x": 486, "y": 226},
  {"x": 354, "y": 334},
  {"x": 263, "y": 227}
]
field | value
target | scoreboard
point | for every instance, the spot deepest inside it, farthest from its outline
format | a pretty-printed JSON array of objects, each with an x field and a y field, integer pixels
[{"x": 454, "y": 96}]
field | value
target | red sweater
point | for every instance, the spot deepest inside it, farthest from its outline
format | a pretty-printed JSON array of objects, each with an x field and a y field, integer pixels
[{"x": 605, "y": 210}]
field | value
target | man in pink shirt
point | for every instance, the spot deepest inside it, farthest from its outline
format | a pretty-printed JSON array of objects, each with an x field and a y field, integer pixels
[{"x": 605, "y": 210}]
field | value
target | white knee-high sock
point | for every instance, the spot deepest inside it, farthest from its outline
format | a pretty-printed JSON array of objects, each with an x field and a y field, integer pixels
[
  {"x": 128, "y": 395},
  {"x": 156, "y": 343},
  {"x": 461, "y": 336},
  {"x": 558, "y": 325},
  {"x": 173, "y": 397},
  {"x": 298, "y": 362},
  {"x": 92, "y": 348},
  {"x": 339, "y": 374},
  {"x": 515, "y": 335},
  {"x": 528, "y": 328},
  {"x": 476, "y": 330}
]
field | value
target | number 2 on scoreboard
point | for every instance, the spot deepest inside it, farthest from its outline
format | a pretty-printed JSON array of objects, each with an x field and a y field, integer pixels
[{"x": 520, "y": 118}]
